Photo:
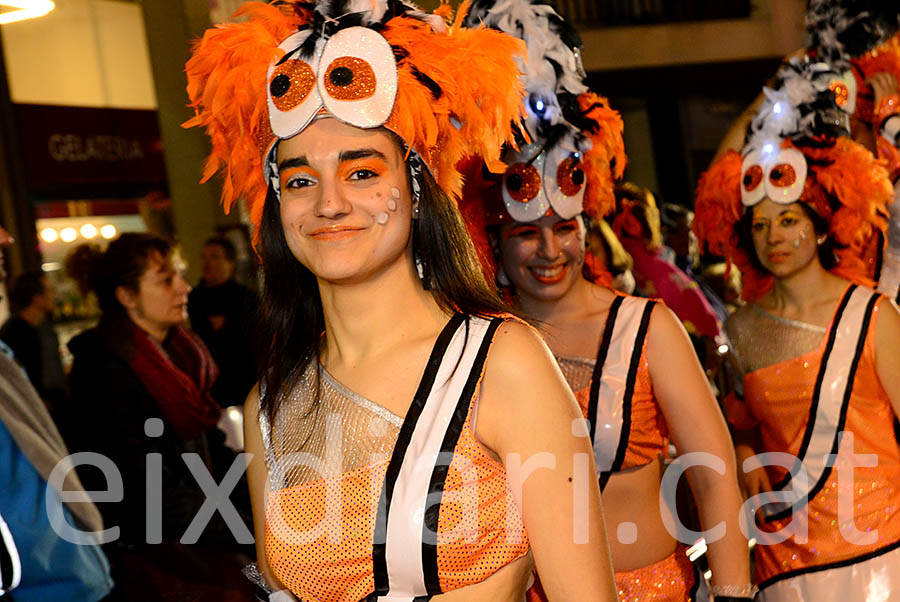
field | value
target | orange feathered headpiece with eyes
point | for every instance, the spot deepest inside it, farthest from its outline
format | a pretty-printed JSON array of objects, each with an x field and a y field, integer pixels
[
  {"x": 446, "y": 91},
  {"x": 846, "y": 185},
  {"x": 574, "y": 151}
]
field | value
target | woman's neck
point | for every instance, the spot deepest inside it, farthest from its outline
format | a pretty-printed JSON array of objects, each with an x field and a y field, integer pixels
[
  {"x": 576, "y": 302},
  {"x": 805, "y": 288},
  {"x": 367, "y": 318}
]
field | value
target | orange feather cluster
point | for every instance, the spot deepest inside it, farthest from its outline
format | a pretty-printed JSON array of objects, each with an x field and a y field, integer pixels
[
  {"x": 845, "y": 170},
  {"x": 227, "y": 86},
  {"x": 885, "y": 57},
  {"x": 480, "y": 100},
  {"x": 605, "y": 162}
]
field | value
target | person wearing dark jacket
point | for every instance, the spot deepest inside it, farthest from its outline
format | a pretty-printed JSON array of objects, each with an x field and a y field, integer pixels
[
  {"x": 141, "y": 395},
  {"x": 221, "y": 312}
]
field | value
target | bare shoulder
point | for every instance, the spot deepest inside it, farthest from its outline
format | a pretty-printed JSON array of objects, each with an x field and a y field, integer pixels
[
  {"x": 887, "y": 326},
  {"x": 251, "y": 404},
  {"x": 665, "y": 327},
  {"x": 517, "y": 350}
]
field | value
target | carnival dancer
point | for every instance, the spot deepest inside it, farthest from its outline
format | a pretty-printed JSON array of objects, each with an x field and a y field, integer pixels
[
  {"x": 404, "y": 455},
  {"x": 645, "y": 383},
  {"x": 794, "y": 212}
]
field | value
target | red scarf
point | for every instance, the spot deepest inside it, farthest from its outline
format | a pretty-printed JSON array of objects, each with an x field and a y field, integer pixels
[{"x": 178, "y": 374}]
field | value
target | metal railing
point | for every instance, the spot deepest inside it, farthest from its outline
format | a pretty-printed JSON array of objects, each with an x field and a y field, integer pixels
[{"x": 612, "y": 13}]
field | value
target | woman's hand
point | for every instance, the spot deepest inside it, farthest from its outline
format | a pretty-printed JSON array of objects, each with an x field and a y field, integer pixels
[
  {"x": 528, "y": 417},
  {"x": 755, "y": 480}
]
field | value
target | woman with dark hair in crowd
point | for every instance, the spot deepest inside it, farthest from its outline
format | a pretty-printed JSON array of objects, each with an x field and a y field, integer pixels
[
  {"x": 140, "y": 386},
  {"x": 795, "y": 212},
  {"x": 392, "y": 419},
  {"x": 627, "y": 359}
]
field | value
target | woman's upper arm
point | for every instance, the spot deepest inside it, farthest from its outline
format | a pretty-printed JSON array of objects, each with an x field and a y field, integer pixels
[
  {"x": 887, "y": 351},
  {"x": 257, "y": 476},
  {"x": 529, "y": 418},
  {"x": 679, "y": 383}
]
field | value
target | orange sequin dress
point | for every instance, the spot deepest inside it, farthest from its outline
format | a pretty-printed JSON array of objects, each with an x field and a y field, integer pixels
[
  {"x": 325, "y": 537},
  {"x": 778, "y": 397}
]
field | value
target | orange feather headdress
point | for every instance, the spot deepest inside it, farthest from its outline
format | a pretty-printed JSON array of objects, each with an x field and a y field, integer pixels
[
  {"x": 792, "y": 154},
  {"x": 446, "y": 91},
  {"x": 575, "y": 149}
]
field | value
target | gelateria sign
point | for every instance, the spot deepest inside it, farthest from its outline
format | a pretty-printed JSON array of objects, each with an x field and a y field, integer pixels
[{"x": 72, "y": 152}]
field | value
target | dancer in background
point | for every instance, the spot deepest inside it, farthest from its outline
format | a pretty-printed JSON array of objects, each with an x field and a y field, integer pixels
[
  {"x": 392, "y": 420},
  {"x": 795, "y": 212},
  {"x": 645, "y": 384}
]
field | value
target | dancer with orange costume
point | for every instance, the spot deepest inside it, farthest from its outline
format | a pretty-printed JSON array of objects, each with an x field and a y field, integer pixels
[
  {"x": 391, "y": 430},
  {"x": 645, "y": 384},
  {"x": 795, "y": 212}
]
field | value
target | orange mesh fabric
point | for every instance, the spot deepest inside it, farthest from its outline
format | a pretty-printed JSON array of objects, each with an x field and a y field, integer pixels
[
  {"x": 669, "y": 580},
  {"x": 649, "y": 436},
  {"x": 319, "y": 534},
  {"x": 779, "y": 398}
]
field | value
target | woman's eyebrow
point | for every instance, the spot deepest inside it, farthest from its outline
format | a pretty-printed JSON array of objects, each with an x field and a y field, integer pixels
[
  {"x": 362, "y": 153},
  {"x": 300, "y": 161}
]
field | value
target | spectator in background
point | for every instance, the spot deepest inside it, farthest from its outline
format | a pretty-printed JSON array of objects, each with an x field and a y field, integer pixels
[
  {"x": 606, "y": 249},
  {"x": 36, "y": 564},
  {"x": 29, "y": 333},
  {"x": 637, "y": 224},
  {"x": 221, "y": 312},
  {"x": 141, "y": 387}
]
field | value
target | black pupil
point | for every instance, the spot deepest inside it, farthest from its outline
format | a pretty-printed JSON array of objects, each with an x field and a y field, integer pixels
[
  {"x": 514, "y": 182},
  {"x": 747, "y": 180},
  {"x": 776, "y": 174},
  {"x": 280, "y": 85},
  {"x": 578, "y": 177},
  {"x": 341, "y": 76}
]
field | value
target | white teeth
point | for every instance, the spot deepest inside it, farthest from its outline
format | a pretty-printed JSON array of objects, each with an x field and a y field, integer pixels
[{"x": 548, "y": 272}]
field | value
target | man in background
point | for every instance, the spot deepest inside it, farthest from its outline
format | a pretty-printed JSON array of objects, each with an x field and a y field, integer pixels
[
  {"x": 221, "y": 312},
  {"x": 29, "y": 333}
]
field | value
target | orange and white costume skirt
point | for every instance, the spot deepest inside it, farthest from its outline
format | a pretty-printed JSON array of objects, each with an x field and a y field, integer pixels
[
  {"x": 672, "y": 579},
  {"x": 873, "y": 577}
]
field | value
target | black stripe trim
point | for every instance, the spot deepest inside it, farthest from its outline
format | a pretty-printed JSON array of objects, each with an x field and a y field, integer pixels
[
  {"x": 445, "y": 456},
  {"x": 842, "y": 419},
  {"x": 831, "y": 565},
  {"x": 379, "y": 560},
  {"x": 602, "y": 352},
  {"x": 7, "y": 549},
  {"x": 817, "y": 390},
  {"x": 629, "y": 393}
]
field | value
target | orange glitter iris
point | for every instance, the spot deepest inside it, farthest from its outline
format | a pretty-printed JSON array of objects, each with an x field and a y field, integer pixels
[
  {"x": 291, "y": 84},
  {"x": 350, "y": 78},
  {"x": 523, "y": 182},
  {"x": 752, "y": 177},
  {"x": 782, "y": 175},
  {"x": 570, "y": 176},
  {"x": 841, "y": 93}
]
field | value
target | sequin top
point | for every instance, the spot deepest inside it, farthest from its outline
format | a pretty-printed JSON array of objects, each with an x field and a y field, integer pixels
[
  {"x": 778, "y": 397},
  {"x": 320, "y": 530},
  {"x": 648, "y": 437}
]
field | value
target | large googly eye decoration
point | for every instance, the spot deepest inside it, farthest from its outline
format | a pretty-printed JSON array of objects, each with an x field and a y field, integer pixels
[
  {"x": 564, "y": 182},
  {"x": 358, "y": 86},
  {"x": 844, "y": 89},
  {"x": 292, "y": 96},
  {"x": 523, "y": 192},
  {"x": 786, "y": 176},
  {"x": 753, "y": 189}
]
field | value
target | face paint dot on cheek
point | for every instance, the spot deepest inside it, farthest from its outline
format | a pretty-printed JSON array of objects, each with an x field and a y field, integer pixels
[
  {"x": 382, "y": 218},
  {"x": 395, "y": 192},
  {"x": 392, "y": 204}
]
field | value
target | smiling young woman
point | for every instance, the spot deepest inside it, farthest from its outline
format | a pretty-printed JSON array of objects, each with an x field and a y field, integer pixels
[
  {"x": 817, "y": 347},
  {"x": 389, "y": 461},
  {"x": 645, "y": 384}
]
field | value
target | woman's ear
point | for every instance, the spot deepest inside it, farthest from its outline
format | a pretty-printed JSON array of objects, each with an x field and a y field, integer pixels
[{"x": 126, "y": 297}]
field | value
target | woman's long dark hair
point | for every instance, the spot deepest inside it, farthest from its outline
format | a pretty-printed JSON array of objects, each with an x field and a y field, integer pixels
[{"x": 291, "y": 320}]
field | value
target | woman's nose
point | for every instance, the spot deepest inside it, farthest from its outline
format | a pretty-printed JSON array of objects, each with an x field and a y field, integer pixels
[
  {"x": 549, "y": 246},
  {"x": 331, "y": 202}
]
